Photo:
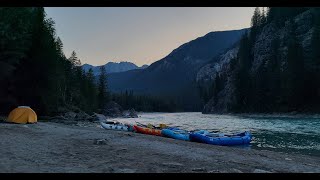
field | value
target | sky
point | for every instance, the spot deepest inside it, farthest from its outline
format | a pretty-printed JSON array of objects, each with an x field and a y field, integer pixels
[{"x": 141, "y": 35}]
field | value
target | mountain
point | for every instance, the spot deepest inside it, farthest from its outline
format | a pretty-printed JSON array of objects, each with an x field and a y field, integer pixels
[
  {"x": 174, "y": 75},
  {"x": 280, "y": 71},
  {"x": 113, "y": 67}
]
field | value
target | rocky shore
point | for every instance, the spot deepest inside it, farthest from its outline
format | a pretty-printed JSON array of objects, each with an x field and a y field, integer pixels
[{"x": 86, "y": 147}]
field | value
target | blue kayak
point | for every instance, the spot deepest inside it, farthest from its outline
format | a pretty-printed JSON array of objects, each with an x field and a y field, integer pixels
[
  {"x": 221, "y": 139},
  {"x": 176, "y": 133}
]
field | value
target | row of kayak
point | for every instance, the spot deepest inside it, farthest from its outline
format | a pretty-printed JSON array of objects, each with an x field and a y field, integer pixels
[{"x": 201, "y": 136}]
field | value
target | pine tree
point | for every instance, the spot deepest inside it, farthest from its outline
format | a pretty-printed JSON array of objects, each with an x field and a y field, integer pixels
[
  {"x": 274, "y": 75},
  {"x": 256, "y": 21},
  {"x": 263, "y": 16},
  {"x": 256, "y": 18},
  {"x": 59, "y": 47},
  {"x": 217, "y": 86},
  {"x": 242, "y": 80},
  {"x": 314, "y": 74},
  {"x": 102, "y": 88},
  {"x": 295, "y": 71},
  {"x": 74, "y": 59},
  {"x": 92, "y": 91},
  {"x": 260, "y": 100}
]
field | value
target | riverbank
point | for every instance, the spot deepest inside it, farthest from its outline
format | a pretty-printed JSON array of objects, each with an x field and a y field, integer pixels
[{"x": 57, "y": 147}]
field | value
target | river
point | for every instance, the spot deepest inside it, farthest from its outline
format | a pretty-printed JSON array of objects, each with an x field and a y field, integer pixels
[{"x": 290, "y": 134}]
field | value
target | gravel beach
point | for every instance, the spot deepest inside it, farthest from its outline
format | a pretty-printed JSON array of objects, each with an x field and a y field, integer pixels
[{"x": 62, "y": 148}]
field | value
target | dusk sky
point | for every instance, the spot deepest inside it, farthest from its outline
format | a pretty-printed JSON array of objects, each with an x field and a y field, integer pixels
[{"x": 141, "y": 35}]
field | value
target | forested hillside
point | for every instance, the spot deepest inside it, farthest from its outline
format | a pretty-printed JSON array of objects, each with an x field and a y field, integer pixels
[
  {"x": 34, "y": 70},
  {"x": 276, "y": 67}
]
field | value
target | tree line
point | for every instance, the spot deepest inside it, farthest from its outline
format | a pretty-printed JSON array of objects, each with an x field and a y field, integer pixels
[
  {"x": 34, "y": 70},
  {"x": 145, "y": 103}
]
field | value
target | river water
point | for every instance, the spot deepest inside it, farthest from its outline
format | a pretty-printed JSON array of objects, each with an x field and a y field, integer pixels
[{"x": 290, "y": 134}]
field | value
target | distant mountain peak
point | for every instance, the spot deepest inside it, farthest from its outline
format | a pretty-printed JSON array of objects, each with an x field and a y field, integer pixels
[{"x": 113, "y": 67}]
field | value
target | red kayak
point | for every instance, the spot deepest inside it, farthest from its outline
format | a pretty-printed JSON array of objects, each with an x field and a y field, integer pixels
[{"x": 145, "y": 130}]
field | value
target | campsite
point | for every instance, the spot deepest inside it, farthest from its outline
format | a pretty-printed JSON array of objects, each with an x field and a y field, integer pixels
[{"x": 159, "y": 90}]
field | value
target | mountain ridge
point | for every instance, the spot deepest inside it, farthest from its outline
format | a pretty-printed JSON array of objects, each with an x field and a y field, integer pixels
[
  {"x": 113, "y": 67},
  {"x": 175, "y": 74}
]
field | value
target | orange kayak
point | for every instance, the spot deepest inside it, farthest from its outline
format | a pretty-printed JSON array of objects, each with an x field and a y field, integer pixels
[{"x": 144, "y": 130}]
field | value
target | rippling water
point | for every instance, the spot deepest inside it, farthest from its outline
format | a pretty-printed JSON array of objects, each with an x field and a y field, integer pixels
[{"x": 283, "y": 133}]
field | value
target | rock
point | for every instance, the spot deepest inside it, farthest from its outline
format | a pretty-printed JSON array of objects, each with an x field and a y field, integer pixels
[
  {"x": 100, "y": 141},
  {"x": 126, "y": 113},
  {"x": 112, "y": 109},
  {"x": 260, "y": 171},
  {"x": 198, "y": 169},
  {"x": 133, "y": 113},
  {"x": 70, "y": 115},
  {"x": 237, "y": 170},
  {"x": 82, "y": 116},
  {"x": 172, "y": 164},
  {"x": 130, "y": 113},
  {"x": 213, "y": 171},
  {"x": 124, "y": 170},
  {"x": 98, "y": 117},
  {"x": 129, "y": 135}
]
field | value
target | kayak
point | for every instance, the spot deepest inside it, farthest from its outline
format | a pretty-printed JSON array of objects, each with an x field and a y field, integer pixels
[
  {"x": 119, "y": 127},
  {"x": 146, "y": 130},
  {"x": 222, "y": 139},
  {"x": 176, "y": 133}
]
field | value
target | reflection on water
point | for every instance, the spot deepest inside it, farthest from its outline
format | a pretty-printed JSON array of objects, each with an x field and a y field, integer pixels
[{"x": 282, "y": 133}]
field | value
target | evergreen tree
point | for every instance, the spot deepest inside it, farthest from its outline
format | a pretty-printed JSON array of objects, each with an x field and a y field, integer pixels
[
  {"x": 295, "y": 71},
  {"x": 313, "y": 75},
  {"x": 217, "y": 86},
  {"x": 256, "y": 21},
  {"x": 244, "y": 80},
  {"x": 260, "y": 90},
  {"x": 256, "y": 18},
  {"x": 274, "y": 75},
  {"x": 74, "y": 59},
  {"x": 263, "y": 16},
  {"x": 102, "y": 88},
  {"x": 92, "y": 91}
]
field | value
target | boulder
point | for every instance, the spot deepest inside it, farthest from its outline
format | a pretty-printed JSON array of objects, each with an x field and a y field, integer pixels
[
  {"x": 82, "y": 116},
  {"x": 70, "y": 115},
  {"x": 112, "y": 109},
  {"x": 133, "y": 113},
  {"x": 98, "y": 117},
  {"x": 125, "y": 113}
]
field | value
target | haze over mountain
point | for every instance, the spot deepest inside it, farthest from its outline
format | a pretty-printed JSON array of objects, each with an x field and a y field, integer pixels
[
  {"x": 174, "y": 75},
  {"x": 113, "y": 67}
]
